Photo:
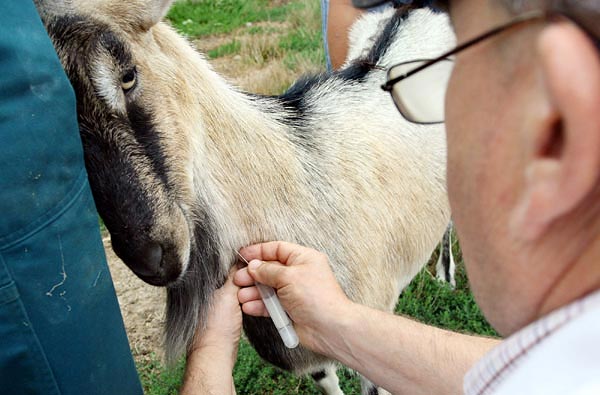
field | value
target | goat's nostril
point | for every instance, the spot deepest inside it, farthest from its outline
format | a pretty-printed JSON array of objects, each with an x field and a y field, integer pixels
[
  {"x": 148, "y": 260},
  {"x": 144, "y": 259},
  {"x": 151, "y": 257}
]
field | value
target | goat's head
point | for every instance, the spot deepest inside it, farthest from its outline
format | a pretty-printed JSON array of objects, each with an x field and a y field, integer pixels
[{"x": 133, "y": 104}]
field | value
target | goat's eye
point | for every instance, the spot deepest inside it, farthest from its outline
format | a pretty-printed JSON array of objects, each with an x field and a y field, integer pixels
[{"x": 129, "y": 80}]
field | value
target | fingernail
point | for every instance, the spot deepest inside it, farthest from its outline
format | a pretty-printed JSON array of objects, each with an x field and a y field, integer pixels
[{"x": 254, "y": 264}]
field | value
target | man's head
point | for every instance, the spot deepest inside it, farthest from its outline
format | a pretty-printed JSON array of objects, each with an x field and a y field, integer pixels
[{"x": 523, "y": 124}]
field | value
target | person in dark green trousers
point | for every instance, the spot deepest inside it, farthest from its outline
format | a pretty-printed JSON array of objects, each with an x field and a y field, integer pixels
[{"x": 61, "y": 330}]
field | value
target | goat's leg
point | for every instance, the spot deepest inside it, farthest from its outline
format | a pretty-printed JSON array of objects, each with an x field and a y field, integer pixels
[
  {"x": 327, "y": 380},
  {"x": 445, "y": 266},
  {"x": 368, "y": 388}
]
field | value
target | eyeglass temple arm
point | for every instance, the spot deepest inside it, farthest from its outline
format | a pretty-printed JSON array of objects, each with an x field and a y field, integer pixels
[{"x": 533, "y": 15}]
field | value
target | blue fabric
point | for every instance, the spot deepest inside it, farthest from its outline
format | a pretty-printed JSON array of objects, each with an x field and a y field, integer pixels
[
  {"x": 324, "y": 22},
  {"x": 61, "y": 330}
]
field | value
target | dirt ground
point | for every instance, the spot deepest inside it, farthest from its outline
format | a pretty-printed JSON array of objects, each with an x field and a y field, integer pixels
[{"x": 142, "y": 306}]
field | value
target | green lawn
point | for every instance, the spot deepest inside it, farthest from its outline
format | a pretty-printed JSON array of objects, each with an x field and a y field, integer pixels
[
  {"x": 299, "y": 40},
  {"x": 288, "y": 32},
  {"x": 205, "y": 17}
]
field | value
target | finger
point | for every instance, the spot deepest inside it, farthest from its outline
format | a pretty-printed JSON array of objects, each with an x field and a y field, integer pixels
[
  {"x": 228, "y": 286},
  {"x": 280, "y": 251},
  {"x": 255, "y": 308},
  {"x": 273, "y": 274},
  {"x": 231, "y": 274},
  {"x": 248, "y": 294},
  {"x": 243, "y": 279}
]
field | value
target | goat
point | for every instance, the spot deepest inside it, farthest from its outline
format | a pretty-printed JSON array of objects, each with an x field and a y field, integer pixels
[{"x": 185, "y": 169}]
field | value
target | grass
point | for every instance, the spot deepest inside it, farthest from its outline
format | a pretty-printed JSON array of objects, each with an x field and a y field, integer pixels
[
  {"x": 232, "y": 47},
  {"x": 204, "y": 17},
  {"x": 158, "y": 380},
  {"x": 274, "y": 42},
  {"x": 435, "y": 303},
  {"x": 263, "y": 46},
  {"x": 253, "y": 376}
]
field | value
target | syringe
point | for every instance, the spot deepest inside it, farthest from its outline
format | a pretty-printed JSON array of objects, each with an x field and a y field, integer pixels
[{"x": 278, "y": 315}]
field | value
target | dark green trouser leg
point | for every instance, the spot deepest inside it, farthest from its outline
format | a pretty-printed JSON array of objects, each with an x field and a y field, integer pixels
[{"x": 61, "y": 330}]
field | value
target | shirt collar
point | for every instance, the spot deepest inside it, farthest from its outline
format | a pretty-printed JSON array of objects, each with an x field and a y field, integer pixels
[{"x": 497, "y": 364}]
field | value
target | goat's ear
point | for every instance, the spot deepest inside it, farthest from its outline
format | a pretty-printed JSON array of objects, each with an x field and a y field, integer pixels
[
  {"x": 154, "y": 11},
  {"x": 51, "y": 7}
]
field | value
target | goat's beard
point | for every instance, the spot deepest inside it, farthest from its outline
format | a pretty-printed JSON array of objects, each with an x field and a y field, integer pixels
[{"x": 189, "y": 299}]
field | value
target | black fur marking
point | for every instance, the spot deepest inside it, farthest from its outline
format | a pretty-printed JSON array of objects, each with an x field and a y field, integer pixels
[
  {"x": 297, "y": 109},
  {"x": 446, "y": 255},
  {"x": 373, "y": 391},
  {"x": 105, "y": 161},
  {"x": 76, "y": 35},
  {"x": 264, "y": 337},
  {"x": 116, "y": 48},
  {"x": 107, "y": 168},
  {"x": 145, "y": 133},
  {"x": 188, "y": 301},
  {"x": 113, "y": 142},
  {"x": 359, "y": 69},
  {"x": 294, "y": 99},
  {"x": 318, "y": 376}
]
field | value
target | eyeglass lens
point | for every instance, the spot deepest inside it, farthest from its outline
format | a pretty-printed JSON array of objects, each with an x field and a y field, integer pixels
[{"x": 420, "y": 97}]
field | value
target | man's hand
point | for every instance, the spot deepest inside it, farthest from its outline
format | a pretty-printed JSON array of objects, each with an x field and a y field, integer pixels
[
  {"x": 394, "y": 352},
  {"x": 305, "y": 285},
  {"x": 214, "y": 352},
  {"x": 224, "y": 326}
]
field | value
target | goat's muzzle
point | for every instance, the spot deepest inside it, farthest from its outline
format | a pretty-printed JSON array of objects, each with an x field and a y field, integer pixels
[{"x": 150, "y": 262}]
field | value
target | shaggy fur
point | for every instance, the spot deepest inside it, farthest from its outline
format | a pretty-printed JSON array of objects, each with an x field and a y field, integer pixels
[{"x": 185, "y": 169}]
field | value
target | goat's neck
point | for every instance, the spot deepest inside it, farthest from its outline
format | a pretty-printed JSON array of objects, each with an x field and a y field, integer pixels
[{"x": 243, "y": 157}]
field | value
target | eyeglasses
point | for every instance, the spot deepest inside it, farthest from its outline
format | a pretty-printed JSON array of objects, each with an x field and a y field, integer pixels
[{"x": 418, "y": 87}]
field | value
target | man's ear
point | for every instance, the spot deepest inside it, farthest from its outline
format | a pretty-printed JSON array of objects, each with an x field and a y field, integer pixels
[
  {"x": 564, "y": 162},
  {"x": 51, "y": 7}
]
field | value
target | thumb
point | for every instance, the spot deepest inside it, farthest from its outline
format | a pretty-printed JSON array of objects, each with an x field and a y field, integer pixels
[{"x": 268, "y": 273}]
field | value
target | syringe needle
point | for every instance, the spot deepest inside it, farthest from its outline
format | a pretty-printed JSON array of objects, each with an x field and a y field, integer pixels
[{"x": 278, "y": 315}]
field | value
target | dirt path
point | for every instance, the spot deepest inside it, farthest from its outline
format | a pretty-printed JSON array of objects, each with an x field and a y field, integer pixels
[{"x": 142, "y": 306}]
